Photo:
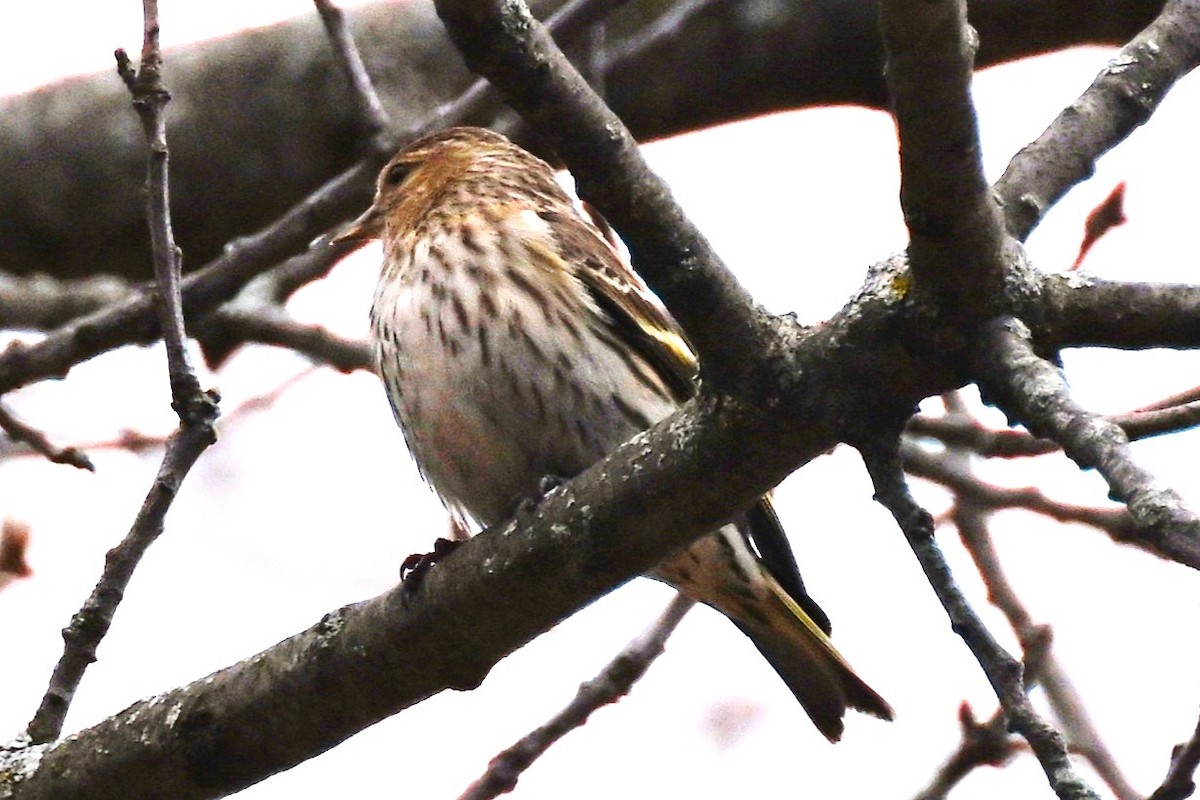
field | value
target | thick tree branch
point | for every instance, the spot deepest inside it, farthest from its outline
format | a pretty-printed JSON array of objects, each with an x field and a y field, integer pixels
[
  {"x": 956, "y": 246},
  {"x": 1121, "y": 99},
  {"x": 494, "y": 593},
  {"x": 1087, "y": 312}
]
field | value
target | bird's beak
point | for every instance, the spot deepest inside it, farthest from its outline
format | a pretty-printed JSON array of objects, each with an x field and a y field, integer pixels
[{"x": 368, "y": 226}]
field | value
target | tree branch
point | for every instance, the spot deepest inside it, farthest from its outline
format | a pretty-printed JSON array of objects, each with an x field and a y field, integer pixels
[
  {"x": 1083, "y": 312},
  {"x": 613, "y": 683},
  {"x": 1033, "y": 391},
  {"x": 20, "y": 431},
  {"x": 1120, "y": 100},
  {"x": 197, "y": 410},
  {"x": 374, "y": 118},
  {"x": 956, "y": 246},
  {"x": 1002, "y": 670}
]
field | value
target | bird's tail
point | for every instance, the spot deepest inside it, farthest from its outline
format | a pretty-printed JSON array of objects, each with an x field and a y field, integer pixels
[
  {"x": 748, "y": 573},
  {"x": 818, "y": 675}
]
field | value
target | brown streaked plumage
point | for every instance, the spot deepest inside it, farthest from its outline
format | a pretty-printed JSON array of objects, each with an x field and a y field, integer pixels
[{"x": 514, "y": 343}]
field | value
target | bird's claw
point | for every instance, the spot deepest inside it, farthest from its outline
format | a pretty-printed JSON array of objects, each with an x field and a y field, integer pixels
[{"x": 414, "y": 568}]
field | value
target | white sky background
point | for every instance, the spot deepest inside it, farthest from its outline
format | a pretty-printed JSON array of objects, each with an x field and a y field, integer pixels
[{"x": 313, "y": 503}]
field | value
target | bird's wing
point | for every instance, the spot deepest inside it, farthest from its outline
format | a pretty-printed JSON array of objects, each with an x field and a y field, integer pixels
[
  {"x": 646, "y": 324},
  {"x": 637, "y": 316}
]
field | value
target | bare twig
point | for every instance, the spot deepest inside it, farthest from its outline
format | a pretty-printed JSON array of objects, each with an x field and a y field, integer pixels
[
  {"x": 150, "y": 98},
  {"x": 980, "y": 744},
  {"x": 613, "y": 683},
  {"x": 1002, "y": 670},
  {"x": 1036, "y": 641},
  {"x": 20, "y": 431},
  {"x": 197, "y": 410},
  {"x": 90, "y": 624},
  {"x": 273, "y": 326},
  {"x": 370, "y": 110},
  {"x": 1033, "y": 391},
  {"x": 133, "y": 320},
  {"x": 958, "y": 430},
  {"x": 983, "y": 744},
  {"x": 1116, "y": 522}
]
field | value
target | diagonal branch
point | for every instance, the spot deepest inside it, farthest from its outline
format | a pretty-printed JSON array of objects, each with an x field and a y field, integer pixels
[
  {"x": 1002, "y": 670},
  {"x": 1180, "y": 783},
  {"x": 131, "y": 319},
  {"x": 20, "y": 431},
  {"x": 370, "y": 110},
  {"x": 1120, "y": 100},
  {"x": 613, "y": 683},
  {"x": 1032, "y": 390}
]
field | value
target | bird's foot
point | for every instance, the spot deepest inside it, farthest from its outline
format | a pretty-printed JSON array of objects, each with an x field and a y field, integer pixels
[{"x": 414, "y": 568}]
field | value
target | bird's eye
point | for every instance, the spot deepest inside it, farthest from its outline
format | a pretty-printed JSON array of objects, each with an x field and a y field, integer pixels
[{"x": 395, "y": 174}]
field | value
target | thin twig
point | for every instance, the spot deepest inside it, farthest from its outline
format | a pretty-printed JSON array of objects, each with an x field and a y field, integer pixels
[
  {"x": 134, "y": 320},
  {"x": 197, "y": 410},
  {"x": 366, "y": 100},
  {"x": 90, "y": 624},
  {"x": 1002, "y": 670},
  {"x": 980, "y": 744},
  {"x": 272, "y": 325},
  {"x": 957, "y": 430},
  {"x": 20, "y": 431},
  {"x": 611, "y": 684},
  {"x": 1116, "y": 522},
  {"x": 971, "y": 520},
  {"x": 150, "y": 98}
]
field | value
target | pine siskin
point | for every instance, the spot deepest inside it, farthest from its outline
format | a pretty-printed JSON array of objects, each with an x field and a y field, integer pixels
[{"x": 515, "y": 344}]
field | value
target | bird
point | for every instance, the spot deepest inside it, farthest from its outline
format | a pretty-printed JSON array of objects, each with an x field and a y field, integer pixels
[{"x": 515, "y": 344}]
